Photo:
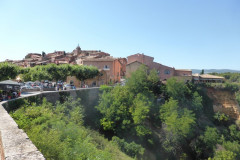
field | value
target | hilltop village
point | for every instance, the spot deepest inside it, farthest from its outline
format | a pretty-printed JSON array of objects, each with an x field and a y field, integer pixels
[{"x": 113, "y": 69}]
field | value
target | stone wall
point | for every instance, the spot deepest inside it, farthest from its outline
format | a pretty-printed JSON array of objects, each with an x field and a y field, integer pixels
[
  {"x": 178, "y": 72},
  {"x": 15, "y": 142},
  {"x": 147, "y": 60}
]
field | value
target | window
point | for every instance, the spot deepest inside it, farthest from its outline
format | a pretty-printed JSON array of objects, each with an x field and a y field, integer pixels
[
  {"x": 167, "y": 71},
  {"x": 106, "y": 67},
  {"x": 158, "y": 72}
]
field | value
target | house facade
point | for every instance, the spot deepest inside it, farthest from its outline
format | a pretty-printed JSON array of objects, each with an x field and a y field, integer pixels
[
  {"x": 97, "y": 81},
  {"x": 164, "y": 72},
  {"x": 115, "y": 68},
  {"x": 207, "y": 78}
]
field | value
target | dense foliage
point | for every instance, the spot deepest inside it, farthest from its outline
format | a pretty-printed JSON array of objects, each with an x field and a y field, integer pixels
[
  {"x": 58, "y": 132},
  {"x": 230, "y": 77},
  {"x": 170, "y": 121},
  {"x": 51, "y": 72},
  {"x": 58, "y": 72},
  {"x": 145, "y": 119},
  {"x": 8, "y": 71}
]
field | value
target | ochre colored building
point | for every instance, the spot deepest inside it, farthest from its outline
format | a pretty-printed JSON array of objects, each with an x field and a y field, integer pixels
[
  {"x": 164, "y": 72},
  {"x": 115, "y": 68},
  {"x": 97, "y": 81}
]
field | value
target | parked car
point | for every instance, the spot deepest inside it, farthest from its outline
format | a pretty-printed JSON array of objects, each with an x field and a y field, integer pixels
[
  {"x": 29, "y": 83},
  {"x": 26, "y": 86},
  {"x": 69, "y": 87}
]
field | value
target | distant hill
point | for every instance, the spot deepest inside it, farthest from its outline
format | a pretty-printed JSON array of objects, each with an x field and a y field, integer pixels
[{"x": 215, "y": 70}]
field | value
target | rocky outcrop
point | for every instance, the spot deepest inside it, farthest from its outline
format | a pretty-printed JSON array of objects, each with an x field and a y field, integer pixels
[{"x": 224, "y": 102}]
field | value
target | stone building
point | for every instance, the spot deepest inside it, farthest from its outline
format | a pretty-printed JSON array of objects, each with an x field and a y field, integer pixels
[
  {"x": 164, "y": 72},
  {"x": 94, "y": 82},
  {"x": 207, "y": 78},
  {"x": 115, "y": 68},
  {"x": 33, "y": 55}
]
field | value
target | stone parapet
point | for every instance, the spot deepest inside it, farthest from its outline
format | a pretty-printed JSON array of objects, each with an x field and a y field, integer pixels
[{"x": 14, "y": 142}]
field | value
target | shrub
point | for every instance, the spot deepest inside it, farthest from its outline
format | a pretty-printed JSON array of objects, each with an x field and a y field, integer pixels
[{"x": 132, "y": 149}]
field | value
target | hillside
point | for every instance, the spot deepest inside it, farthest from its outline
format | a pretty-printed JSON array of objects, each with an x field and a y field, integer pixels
[
  {"x": 225, "y": 102},
  {"x": 144, "y": 119},
  {"x": 215, "y": 70}
]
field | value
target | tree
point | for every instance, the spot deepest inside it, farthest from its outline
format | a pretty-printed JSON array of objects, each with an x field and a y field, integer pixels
[
  {"x": 210, "y": 137},
  {"x": 138, "y": 82},
  {"x": 144, "y": 81},
  {"x": 224, "y": 155},
  {"x": 114, "y": 107},
  {"x": 8, "y": 71},
  {"x": 59, "y": 72},
  {"x": 237, "y": 94},
  {"x": 43, "y": 54},
  {"x": 39, "y": 73},
  {"x": 180, "y": 122},
  {"x": 233, "y": 147},
  {"x": 123, "y": 112},
  {"x": 84, "y": 72},
  {"x": 177, "y": 89},
  {"x": 197, "y": 106},
  {"x": 140, "y": 113},
  {"x": 202, "y": 72}
]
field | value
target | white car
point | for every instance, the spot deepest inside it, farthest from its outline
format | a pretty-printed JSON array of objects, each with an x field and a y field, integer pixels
[{"x": 69, "y": 87}]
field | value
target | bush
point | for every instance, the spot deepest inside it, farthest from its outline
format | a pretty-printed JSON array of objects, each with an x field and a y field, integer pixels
[
  {"x": 224, "y": 155},
  {"x": 132, "y": 149},
  {"x": 232, "y": 87},
  {"x": 58, "y": 132},
  {"x": 221, "y": 117}
]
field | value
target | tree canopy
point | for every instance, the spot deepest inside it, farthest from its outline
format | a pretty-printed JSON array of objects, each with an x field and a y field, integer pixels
[
  {"x": 8, "y": 71},
  {"x": 55, "y": 72}
]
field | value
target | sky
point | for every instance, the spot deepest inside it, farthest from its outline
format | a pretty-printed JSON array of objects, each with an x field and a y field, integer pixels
[{"x": 185, "y": 34}]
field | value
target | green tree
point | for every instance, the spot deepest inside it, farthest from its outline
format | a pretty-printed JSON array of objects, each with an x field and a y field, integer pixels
[
  {"x": 84, "y": 72},
  {"x": 233, "y": 147},
  {"x": 114, "y": 106},
  {"x": 132, "y": 149},
  {"x": 140, "y": 113},
  {"x": 234, "y": 132},
  {"x": 180, "y": 122},
  {"x": 43, "y": 54},
  {"x": 58, "y": 132},
  {"x": 197, "y": 105},
  {"x": 8, "y": 71},
  {"x": 210, "y": 137},
  {"x": 177, "y": 89},
  {"x": 237, "y": 94},
  {"x": 224, "y": 155}
]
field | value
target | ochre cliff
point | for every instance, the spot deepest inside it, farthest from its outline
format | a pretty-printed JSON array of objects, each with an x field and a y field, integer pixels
[{"x": 224, "y": 102}]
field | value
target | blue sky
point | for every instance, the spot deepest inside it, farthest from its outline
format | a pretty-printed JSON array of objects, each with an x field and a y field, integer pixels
[{"x": 191, "y": 34}]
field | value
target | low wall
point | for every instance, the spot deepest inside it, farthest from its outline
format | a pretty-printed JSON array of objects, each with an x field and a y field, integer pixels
[
  {"x": 16, "y": 144},
  {"x": 49, "y": 89},
  {"x": 1, "y": 148},
  {"x": 31, "y": 90}
]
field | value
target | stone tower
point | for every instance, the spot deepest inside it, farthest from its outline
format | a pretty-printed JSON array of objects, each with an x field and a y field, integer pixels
[{"x": 77, "y": 51}]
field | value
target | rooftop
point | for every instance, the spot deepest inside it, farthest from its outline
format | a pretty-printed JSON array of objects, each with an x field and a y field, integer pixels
[
  {"x": 9, "y": 82},
  {"x": 183, "y": 69},
  {"x": 207, "y": 76},
  {"x": 98, "y": 59}
]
